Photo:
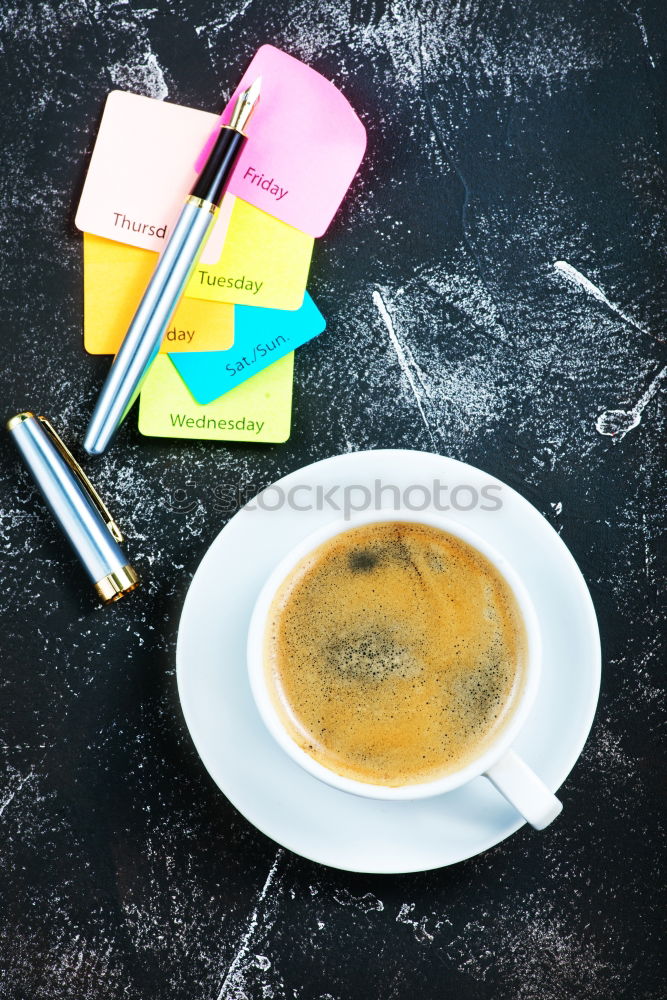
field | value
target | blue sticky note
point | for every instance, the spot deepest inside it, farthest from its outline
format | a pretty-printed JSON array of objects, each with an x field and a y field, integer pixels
[{"x": 261, "y": 336}]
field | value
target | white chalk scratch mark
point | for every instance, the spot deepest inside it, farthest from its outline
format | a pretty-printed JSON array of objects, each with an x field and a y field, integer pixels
[
  {"x": 642, "y": 31},
  {"x": 418, "y": 926},
  {"x": 366, "y": 904},
  {"x": 577, "y": 278},
  {"x": 216, "y": 26},
  {"x": 143, "y": 75},
  {"x": 617, "y": 423},
  {"x": 405, "y": 359},
  {"x": 648, "y": 559},
  {"x": 234, "y": 972},
  {"x": 9, "y": 798}
]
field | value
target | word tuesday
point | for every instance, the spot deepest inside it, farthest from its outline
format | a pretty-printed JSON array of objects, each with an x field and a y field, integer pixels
[
  {"x": 247, "y": 284},
  {"x": 265, "y": 183}
]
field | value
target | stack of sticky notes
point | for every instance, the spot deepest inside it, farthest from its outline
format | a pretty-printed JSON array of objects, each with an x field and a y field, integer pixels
[{"x": 226, "y": 364}]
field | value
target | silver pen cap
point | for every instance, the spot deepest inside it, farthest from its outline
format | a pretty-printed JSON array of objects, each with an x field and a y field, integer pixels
[{"x": 76, "y": 506}]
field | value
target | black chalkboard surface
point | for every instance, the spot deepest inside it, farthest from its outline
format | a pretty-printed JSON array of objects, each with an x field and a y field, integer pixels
[{"x": 509, "y": 217}]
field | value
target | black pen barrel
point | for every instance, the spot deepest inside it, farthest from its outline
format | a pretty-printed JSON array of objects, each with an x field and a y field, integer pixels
[{"x": 212, "y": 181}]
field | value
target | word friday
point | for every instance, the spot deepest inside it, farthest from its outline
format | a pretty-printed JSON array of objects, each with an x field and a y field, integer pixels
[
  {"x": 120, "y": 219},
  {"x": 259, "y": 351},
  {"x": 247, "y": 284},
  {"x": 210, "y": 423},
  {"x": 265, "y": 183}
]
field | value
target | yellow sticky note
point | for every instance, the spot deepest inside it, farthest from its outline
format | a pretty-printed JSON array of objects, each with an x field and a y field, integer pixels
[
  {"x": 115, "y": 277},
  {"x": 264, "y": 262},
  {"x": 258, "y": 410}
]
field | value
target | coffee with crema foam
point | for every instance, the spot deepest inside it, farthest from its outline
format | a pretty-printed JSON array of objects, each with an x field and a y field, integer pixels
[{"x": 395, "y": 653}]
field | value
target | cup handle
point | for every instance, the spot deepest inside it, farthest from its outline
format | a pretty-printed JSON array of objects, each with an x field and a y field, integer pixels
[{"x": 524, "y": 790}]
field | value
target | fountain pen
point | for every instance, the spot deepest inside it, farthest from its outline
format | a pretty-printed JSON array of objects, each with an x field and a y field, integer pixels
[{"x": 172, "y": 273}]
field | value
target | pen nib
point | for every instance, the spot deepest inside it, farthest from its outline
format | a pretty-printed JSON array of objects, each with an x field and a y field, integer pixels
[{"x": 246, "y": 103}]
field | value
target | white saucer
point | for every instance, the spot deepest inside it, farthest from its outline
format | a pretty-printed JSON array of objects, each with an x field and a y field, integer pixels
[{"x": 286, "y": 803}]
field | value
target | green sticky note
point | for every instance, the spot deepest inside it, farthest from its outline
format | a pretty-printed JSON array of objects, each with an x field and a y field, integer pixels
[{"x": 258, "y": 410}]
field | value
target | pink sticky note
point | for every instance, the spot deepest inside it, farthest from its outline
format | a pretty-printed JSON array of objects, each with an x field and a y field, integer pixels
[
  {"x": 305, "y": 143},
  {"x": 141, "y": 169}
]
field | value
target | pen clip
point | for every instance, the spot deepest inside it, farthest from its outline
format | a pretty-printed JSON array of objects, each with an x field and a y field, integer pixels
[{"x": 83, "y": 479}]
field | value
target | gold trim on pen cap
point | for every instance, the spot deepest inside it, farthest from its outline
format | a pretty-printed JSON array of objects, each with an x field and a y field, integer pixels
[
  {"x": 117, "y": 584},
  {"x": 18, "y": 419},
  {"x": 83, "y": 479}
]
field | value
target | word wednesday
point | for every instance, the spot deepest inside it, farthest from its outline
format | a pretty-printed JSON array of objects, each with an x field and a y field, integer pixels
[
  {"x": 265, "y": 183},
  {"x": 247, "y": 284},
  {"x": 120, "y": 219},
  {"x": 210, "y": 423}
]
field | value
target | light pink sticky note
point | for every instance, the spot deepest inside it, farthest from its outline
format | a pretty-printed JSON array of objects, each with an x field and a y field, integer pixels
[
  {"x": 305, "y": 143},
  {"x": 141, "y": 169}
]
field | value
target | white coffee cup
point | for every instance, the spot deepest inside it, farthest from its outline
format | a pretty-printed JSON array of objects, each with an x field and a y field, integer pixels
[{"x": 499, "y": 763}]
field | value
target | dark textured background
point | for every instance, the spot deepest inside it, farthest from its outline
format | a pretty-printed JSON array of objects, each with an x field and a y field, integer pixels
[{"x": 503, "y": 137}]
